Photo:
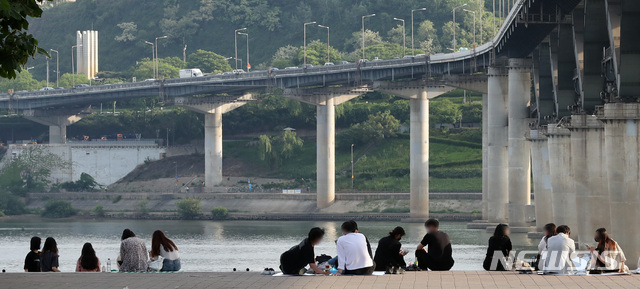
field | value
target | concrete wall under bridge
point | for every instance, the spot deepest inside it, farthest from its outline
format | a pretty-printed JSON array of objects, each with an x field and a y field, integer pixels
[{"x": 107, "y": 162}]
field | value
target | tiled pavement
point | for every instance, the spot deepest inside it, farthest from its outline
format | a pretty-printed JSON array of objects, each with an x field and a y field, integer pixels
[{"x": 445, "y": 280}]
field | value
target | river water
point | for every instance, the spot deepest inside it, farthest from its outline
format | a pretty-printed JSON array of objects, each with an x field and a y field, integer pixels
[{"x": 222, "y": 246}]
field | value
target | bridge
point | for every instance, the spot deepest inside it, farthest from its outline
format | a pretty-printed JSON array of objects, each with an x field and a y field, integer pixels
[{"x": 560, "y": 111}]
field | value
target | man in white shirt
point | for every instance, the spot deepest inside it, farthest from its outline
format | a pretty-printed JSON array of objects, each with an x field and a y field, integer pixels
[
  {"x": 354, "y": 258},
  {"x": 560, "y": 250}
]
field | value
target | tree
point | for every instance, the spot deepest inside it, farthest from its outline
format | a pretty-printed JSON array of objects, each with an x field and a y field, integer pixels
[
  {"x": 166, "y": 68},
  {"x": 67, "y": 80},
  {"x": 386, "y": 51},
  {"x": 86, "y": 183},
  {"x": 444, "y": 112},
  {"x": 427, "y": 37},
  {"x": 378, "y": 126},
  {"x": 370, "y": 38},
  {"x": 290, "y": 143},
  {"x": 16, "y": 45},
  {"x": 129, "y": 31},
  {"x": 317, "y": 53},
  {"x": 264, "y": 147},
  {"x": 286, "y": 56},
  {"x": 189, "y": 208},
  {"x": 395, "y": 35},
  {"x": 208, "y": 62},
  {"x": 30, "y": 170},
  {"x": 58, "y": 209},
  {"x": 23, "y": 81}
]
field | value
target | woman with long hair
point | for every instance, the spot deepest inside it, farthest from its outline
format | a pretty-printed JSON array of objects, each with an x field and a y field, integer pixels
[
  {"x": 88, "y": 261},
  {"x": 549, "y": 231},
  {"x": 608, "y": 255},
  {"x": 133, "y": 253},
  {"x": 389, "y": 255},
  {"x": 49, "y": 258},
  {"x": 164, "y": 247},
  {"x": 499, "y": 248}
]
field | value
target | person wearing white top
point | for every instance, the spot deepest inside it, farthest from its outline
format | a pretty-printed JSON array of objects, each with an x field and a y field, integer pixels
[
  {"x": 161, "y": 246},
  {"x": 354, "y": 257},
  {"x": 549, "y": 231},
  {"x": 560, "y": 250}
]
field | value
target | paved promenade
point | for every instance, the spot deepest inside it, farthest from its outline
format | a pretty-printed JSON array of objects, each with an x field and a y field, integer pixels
[{"x": 448, "y": 280}]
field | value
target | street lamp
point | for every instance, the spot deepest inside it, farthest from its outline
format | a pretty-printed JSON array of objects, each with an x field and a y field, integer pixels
[
  {"x": 157, "y": 59},
  {"x": 304, "y": 36},
  {"x": 248, "y": 63},
  {"x": 412, "y": 29},
  {"x": 328, "y": 47},
  {"x": 48, "y": 57},
  {"x": 454, "y": 25},
  {"x": 57, "y": 66},
  {"x": 153, "y": 57},
  {"x": 73, "y": 68},
  {"x": 404, "y": 37},
  {"x": 363, "y": 17},
  {"x": 474, "y": 25},
  {"x": 235, "y": 37}
]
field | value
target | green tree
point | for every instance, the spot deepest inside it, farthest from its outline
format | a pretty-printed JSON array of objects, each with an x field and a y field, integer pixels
[
  {"x": 286, "y": 56},
  {"x": 208, "y": 62},
  {"x": 444, "y": 111},
  {"x": 11, "y": 204},
  {"x": 386, "y": 51},
  {"x": 189, "y": 208},
  {"x": 317, "y": 53},
  {"x": 129, "y": 31},
  {"x": 219, "y": 212},
  {"x": 290, "y": 143},
  {"x": 370, "y": 38},
  {"x": 395, "y": 35},
  {"x": 264, "y": 147},
  {"x": 427, "y": 37},
  {"x": 30, "y": 171},
  {"x": 23, "y": 81},
  {"x": 16, "y": 45},
  {"x": 67, "y": 80},
  {"x": 378, "y": 126},
  {"x": 58, "y": 209},
  {"x": 167, "y": 68},
  {"x": 86, "y": 183}
]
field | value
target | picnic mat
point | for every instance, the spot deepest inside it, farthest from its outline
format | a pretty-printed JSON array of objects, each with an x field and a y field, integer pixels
[{"x": 376, "y": 273}]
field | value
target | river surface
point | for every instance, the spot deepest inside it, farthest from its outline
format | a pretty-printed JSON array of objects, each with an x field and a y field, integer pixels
[{"x": 222, "y": 246}]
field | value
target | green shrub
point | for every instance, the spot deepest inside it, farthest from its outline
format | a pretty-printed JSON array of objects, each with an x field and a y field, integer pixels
[
  {"x": 219, "y": 212},
  {"x": 117, "y": 199},
  {"x": 189, "y": 208},
  {"x": 11, "y": 204},
  {"x": 99, "y": 211},
  {"x": 58, "y": 209}
]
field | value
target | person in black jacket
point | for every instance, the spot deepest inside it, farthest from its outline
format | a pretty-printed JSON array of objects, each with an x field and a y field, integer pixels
[
  {"x": 294, "y": 260},
  {"x": 499, "y": 248},
  {"x": 389, "y": 256},
  {"x": 434, "y": 251}
]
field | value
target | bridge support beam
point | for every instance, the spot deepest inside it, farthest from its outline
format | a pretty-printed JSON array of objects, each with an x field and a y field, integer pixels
[
  {"x": 485, "y": 156},
  {"x": 541, "y": 179},
  {"x": 589, "y": 172},
  {"x": 562, "y": 185},
  {"x": 519, "y": 147},
  {"x": 621, "y": 131},
  {"x": 57, "y": 120},
  {"x": 418, "y": 93},
  {"x": 213, "y": 108},
  {"x": 325, "y": 99},
  {"x": 497, "y": 144}
]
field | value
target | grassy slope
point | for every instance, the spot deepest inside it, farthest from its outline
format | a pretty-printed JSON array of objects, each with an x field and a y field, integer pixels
[{"x": 383, "y": 168}]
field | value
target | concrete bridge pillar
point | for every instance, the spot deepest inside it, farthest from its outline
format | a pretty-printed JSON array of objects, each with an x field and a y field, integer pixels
[
  {"x": 622, "y": 149},
  {"x": 497, "y": 144},
  {"x": 589, "y": 172},
  {"x": 541, "y": 179},
  {"x": 325, "y": 99},
  {"x": 213, "y": 108},
  {"x": 485, "y": 156},
  {"x": 57, "y": 120},
  {"x": 519, "y": 147},
  {"x": 418, "y": 93},
  {"x": 562, "y": 184}
]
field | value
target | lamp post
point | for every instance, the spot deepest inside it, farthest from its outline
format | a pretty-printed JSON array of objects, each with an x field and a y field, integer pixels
[
  {"x": 352, "y": 166},
  {"x": 157, "y": 59},
  {"x": 57, "y": 66},
  {"x": 404, "y": 38},
  {"x": 73, "y": 67},
  {"x": 454, "y": 25},
  {"x": 235, "y": 37},
  {"x": 153, "y": 57},
  {"x": 304, "y": 36},
  {"x": 474, "y": 25},
  {"x": 412, "y": 29},
  {"x": 363, "y": 17},
  {"x": 248, "y": 63},
  {"x": 328, "y": 47},
  {"x": 48, "y": 71}
]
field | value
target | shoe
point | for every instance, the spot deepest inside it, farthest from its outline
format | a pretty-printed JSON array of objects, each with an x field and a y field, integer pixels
[
  {"x": 395, "y": 270},
  {"x": 399, "y": 270},
  {"x": 389, "y": 270},
  {"x": 302, "y": 271}
]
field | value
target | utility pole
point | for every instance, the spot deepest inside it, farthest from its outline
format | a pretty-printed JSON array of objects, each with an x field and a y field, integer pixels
[{"x": 304, "y": 36}]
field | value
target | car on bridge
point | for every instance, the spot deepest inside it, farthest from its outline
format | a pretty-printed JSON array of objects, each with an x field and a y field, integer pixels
[
  {"x": 344, "y": 62},
  {"x": 47, "y": 88},
  {"x": 329, "y": 64},
  {"x": 239, "y": 71},
  {"x": 82, "y": 85}
]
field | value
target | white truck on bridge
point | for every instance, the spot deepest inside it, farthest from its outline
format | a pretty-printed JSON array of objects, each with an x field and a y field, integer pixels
[{"x": 188, "y": 73}]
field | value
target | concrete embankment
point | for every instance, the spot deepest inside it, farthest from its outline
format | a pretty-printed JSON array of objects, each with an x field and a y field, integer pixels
[{"x": 260, "y": 206}]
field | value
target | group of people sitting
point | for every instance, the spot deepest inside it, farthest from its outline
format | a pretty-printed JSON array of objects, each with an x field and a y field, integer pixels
[
  {"x": 133, "y": 257},
  {"x": 557, "y": 251},
  {"x": 355, "y": 255}
]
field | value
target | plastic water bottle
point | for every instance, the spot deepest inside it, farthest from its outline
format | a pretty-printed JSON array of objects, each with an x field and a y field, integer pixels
[{"x": 109, "y": 265}]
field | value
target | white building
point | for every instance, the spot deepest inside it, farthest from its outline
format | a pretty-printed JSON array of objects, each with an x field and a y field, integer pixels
[{"x": 87, "y": 53}]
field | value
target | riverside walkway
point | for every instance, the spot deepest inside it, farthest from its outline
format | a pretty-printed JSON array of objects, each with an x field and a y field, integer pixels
[{"x": 448, "y": 280}]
